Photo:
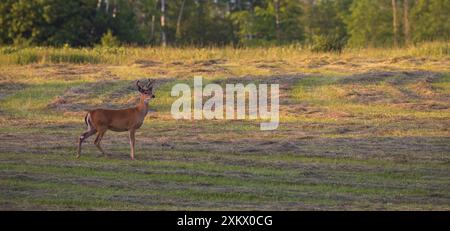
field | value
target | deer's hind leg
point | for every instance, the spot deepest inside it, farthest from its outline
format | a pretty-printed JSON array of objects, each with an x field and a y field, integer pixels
[
  {"x": 84, "y": 136},
  {"x": 98, "y": 139}
]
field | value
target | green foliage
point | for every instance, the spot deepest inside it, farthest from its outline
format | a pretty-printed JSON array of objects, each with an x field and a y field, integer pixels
[
  {"x": 436, "y": 49},
  {"x": 370, "y": 23},
  {"x": 259, "y": 24},
  {"x": 27, "y": 58},
  {"x": 327, "y": 44},
  {"x": 326, "y": 19},
  {"x": 109, "y": 40},
  {"x": 201, "y": 24},
  {"x": 20, "y": 21},
  {"x": 74, "y": 22},
  {"x": 8, "y": 50},
  {"x": 52, "y": 22},
  {"x": 358, "y": 23},
  {"x": 72, "y": 58},
  {"x": 431, "y": 20}
]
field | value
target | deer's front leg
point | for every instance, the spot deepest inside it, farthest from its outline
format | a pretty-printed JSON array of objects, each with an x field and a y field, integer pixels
[{"x": 132, "y": 131}]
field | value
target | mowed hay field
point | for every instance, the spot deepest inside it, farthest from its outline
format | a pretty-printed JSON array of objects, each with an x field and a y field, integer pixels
[{"x": 362, "y": 130}]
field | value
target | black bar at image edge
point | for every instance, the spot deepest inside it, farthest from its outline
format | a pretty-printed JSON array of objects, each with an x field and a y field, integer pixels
[{"x": 256, "y": 220}]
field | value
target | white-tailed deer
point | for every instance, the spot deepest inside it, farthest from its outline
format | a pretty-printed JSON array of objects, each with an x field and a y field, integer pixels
[{"x": 100, "y": 120}]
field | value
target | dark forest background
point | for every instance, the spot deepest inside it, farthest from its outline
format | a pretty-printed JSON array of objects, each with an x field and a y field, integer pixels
[{"x": 330, "y": 23}]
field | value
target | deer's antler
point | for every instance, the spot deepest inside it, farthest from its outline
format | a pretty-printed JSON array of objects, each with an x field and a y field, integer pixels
[
  {"x": 150, "y": 83},
  {"x": 138, "y": 85}
]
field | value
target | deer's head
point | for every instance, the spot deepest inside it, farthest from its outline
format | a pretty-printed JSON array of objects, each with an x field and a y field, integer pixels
[{"x": 146, "y": 89}]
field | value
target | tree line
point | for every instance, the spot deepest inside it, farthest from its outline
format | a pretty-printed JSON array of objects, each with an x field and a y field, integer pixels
[{"x": 332, "y": 24}]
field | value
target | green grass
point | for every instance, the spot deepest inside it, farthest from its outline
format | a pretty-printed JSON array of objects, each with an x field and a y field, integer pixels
[
  {"x": 364, "y": 130},
  {"x": 127, "y": 55}
]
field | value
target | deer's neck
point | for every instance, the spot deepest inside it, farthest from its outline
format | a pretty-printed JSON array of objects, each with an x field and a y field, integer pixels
[{"x": 142, "y": 108}]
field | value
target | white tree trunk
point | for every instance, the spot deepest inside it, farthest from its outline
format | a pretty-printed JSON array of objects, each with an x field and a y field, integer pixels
[{"x": 163, "y": 23}]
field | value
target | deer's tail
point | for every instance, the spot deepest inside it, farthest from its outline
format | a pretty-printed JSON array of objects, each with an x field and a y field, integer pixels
[
  {"x": 88, "y": 121},
  {"x": 85, "y": 119}
]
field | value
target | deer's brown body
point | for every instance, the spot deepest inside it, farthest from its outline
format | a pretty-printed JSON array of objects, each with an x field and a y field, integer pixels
[{"x": 99, "y": 121}]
